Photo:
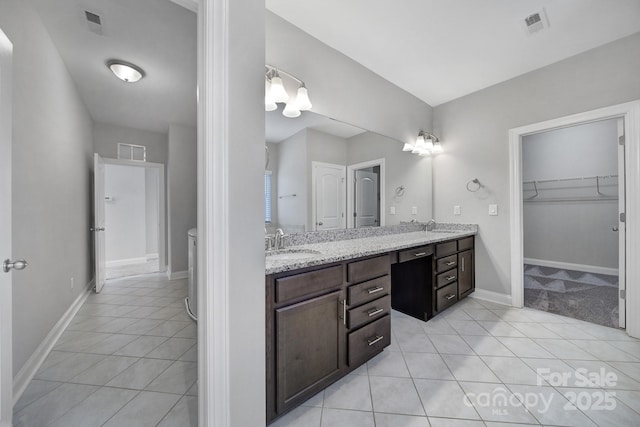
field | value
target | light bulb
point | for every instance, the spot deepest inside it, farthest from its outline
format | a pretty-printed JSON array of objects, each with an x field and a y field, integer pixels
[
  {"x": 428, "y": 144},
  {"x": 420, "y": 143},
  {"x": 302, "y": 99},
  {"x": 437, "y": 148},
  {"x": 407, "y": 147},
  {"x": 269, "y": 103},
  {"x": 291, "y": 110},
  {"x": 277, "y": 92}
]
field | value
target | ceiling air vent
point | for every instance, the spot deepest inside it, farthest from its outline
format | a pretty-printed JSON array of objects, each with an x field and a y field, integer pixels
[
  {"x": 536, "y": 22},
  {"x": 94, "y": 22}
]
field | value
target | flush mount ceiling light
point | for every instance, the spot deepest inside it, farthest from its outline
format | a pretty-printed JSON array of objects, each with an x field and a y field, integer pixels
[
  {"x": 125, "y": 71},
  {"x": 425, "y": 145},
  {"x": 275, "y": 92}
]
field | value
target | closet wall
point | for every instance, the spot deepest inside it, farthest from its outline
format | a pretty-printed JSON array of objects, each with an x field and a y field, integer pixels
[{"x": 565, "y": 219}]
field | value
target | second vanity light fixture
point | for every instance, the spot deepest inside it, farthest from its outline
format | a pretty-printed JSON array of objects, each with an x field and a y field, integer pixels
[
  {"x": 425, "y": 145},
  {"x": 275, "y": 92}
]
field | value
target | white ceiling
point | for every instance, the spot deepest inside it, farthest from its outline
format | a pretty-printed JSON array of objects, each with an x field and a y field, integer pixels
[
  {"x": 157, "y": 35},
  {"x": 440, "y": 50}
]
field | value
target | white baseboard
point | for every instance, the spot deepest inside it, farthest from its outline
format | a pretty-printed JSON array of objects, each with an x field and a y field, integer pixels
[
  {"x": 26, "y": 374},
  {"x": 173, "y": 275},
  {"x": 127, "y": 261},
  {"x": 570, "y": 266},
  {"x": 491, "y": 296},
  {"x": 152, "y": 256}
]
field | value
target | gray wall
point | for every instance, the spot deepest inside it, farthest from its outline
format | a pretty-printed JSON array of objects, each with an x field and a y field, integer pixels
[
  {"x": 106, "y": 138},
  {"x": 52, "y": 133},
  {"x": 401, "y": 168},
  {"x": 474, "y": 131},
  {"x": 341, "y": 88},
  {"x": 181, "y": 193},
  {"x": 570, "y": 231},
  {"x": 152, "y": 213},
  {"x": 292, "y": 170}
]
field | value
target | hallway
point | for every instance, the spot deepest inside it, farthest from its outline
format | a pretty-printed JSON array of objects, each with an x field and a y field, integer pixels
[{"x": 128, "y": 358}]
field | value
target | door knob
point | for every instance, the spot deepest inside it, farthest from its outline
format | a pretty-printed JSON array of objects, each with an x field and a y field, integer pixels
[
  {"x": 615, "y": 229},
  {"x": 320, "y": 223},
  {"x": 16, "y": 265}
]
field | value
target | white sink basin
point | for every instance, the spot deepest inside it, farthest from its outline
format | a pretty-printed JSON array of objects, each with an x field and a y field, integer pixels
[{"x": 291, "y": 254}]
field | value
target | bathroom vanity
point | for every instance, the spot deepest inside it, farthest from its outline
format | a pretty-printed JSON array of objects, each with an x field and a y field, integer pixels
[{"x": 328, "y": 304}]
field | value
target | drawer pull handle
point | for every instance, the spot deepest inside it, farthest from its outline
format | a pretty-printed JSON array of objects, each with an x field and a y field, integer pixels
[
  {"x": 374, "y": 290},
  {"x": 375, "y": 311},
  {"x": 372, "y": 341},
  {"x": 451, "y": 263},
  {"x": 450, "y": 277},
  {"x": 420, "y": 253},
  {"x": 451, "y": 296}
]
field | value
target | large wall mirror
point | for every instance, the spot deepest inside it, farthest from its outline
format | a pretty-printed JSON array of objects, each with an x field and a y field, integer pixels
[{"x": 323, "y": 174}]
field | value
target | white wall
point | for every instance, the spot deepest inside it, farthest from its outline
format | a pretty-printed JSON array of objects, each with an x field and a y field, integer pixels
[
  {"x": 274, "y": 153},
  {"x": 107, "y": 136},
  {"x": 474, "y": 131},
  {"x": 181, "y": 193},
  {"x": 401, "y": 168},
  {"x": 125, "y": 213},
  {"x": 292, "y": 170},
  {"x": 52, "y": 133},
  {"x": 343, "y": 89},
  {"x": 572, "y": 232},
  {"x": 152, "y": 214}
]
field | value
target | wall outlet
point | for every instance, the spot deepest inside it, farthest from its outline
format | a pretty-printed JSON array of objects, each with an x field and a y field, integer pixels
[
  {"x": 414, "y": 210},
  {"x": 456, "y": 210},
  {"x": 73, "y": 284},
  {"x": 392, "y": 210},
  {"x": 493, "y": 210}
]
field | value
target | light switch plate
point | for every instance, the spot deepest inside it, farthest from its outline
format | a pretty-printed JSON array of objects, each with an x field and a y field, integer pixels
[
  {"x": 392, "y": 210},
  {"x": 493, "y": 210},
  {"x": 456, "y": 210},
  {"x": 414, "y": 210}
]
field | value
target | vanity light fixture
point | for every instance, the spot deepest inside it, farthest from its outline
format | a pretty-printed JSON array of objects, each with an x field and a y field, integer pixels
[
  {"x": 425, "y": 145},
  {"x": 125, "y": 71},
  {"x": 275, "y": 92}
]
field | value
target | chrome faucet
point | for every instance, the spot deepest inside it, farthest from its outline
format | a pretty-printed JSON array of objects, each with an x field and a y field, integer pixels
[
  {"x": 431, "y": 224},
  {"x": 279, "y": 239}
]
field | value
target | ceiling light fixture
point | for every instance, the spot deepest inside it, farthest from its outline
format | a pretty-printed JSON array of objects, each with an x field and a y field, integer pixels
[
  {"x": 125, "y": 71},
  {"x": 425, "y": 145},
  {"x": 275, "y": 92}
]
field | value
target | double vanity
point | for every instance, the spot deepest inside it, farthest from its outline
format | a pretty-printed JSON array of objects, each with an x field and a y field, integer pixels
[{"x": 329, "y": 296}]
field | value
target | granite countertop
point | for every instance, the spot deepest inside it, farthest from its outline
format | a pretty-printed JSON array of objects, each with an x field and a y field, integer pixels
[{"x": 340, "y": 250}]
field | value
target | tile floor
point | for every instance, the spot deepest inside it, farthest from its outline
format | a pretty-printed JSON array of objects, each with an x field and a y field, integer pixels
[
  {"x": 128, "y": 358},
  {"x": 512, "y": 367}
]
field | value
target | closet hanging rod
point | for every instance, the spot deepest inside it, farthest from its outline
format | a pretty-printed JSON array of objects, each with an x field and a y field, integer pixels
[
  {"x": 569, "y": 199},
  {"x": 539, "y": 181}
]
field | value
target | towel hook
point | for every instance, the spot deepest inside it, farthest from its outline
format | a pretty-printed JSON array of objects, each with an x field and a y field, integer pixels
[{"x": 475, "y": 185}]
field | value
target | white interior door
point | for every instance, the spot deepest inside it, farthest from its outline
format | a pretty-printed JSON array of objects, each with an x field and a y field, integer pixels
[
  {"x": 367, "y": 212},
  {"x": 329, "y": 195},
  {"x": 99, "y": 246},
  {"x": 622, "y": 303},
  {"x": 6, "y": 368}
]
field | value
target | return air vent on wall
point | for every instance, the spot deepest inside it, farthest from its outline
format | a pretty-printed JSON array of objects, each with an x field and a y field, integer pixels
[
  {"x": 536, "y": 22},
  {"x": 94, "y": 22}
]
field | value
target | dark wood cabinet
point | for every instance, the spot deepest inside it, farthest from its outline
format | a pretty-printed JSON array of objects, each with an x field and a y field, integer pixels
[
  {"x": 454, "y": 276},
  {"x": 308, "y": 348},
  {"x": 465, "y": 273}
]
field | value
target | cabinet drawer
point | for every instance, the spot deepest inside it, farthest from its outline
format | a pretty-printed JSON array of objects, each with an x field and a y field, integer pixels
[
  {"x": 445, "y": 278},
  {"x": 414, "y": 253},
  {"x": 446, "y": 296},
  {"x": 369, "y": 340},
  {"x": 447, "y": 263},
  {"x": 368, "y": 268},
  {"x": 466, "y": 243},
  {"x": 444, "y": 249},
  {"x": 365, "y": 313},
  {"x": 313, "y": 282},
  {"x": 367, "y": 291}
]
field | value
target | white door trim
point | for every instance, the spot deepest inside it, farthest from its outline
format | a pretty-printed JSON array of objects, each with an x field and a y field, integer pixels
[
  {"x": 162, "y": 210},
  {"x": 631, "y": 113},
  {"x": 6, "y": 299},
  {"x": 314, "y": 191},
  {"x": 350, "y": 193}
]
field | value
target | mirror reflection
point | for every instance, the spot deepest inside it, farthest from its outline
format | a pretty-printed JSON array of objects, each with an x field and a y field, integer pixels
[{"x": 323, "y": 174}]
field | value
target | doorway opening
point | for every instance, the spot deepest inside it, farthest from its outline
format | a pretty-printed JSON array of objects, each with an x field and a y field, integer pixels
[
  {"x": 134, "y": 218},
  {"x": 573, "y": 191}
]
